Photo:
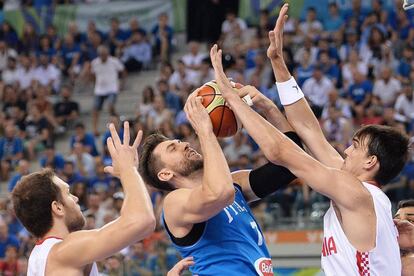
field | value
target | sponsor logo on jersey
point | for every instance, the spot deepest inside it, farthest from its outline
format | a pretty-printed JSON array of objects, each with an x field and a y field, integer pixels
[{"x": 264, "y": 267}]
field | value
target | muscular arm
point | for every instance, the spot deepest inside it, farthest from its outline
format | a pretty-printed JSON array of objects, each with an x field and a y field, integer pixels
[
  {"x": 298, "y": 113},
  {"x": 185, "y": 207},
  {"x": 302, "y": 119},
  {"x": 136, "y": 220}
]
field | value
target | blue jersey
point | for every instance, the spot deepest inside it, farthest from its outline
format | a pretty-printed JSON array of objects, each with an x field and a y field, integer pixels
[{"x": 232, "y": 244}]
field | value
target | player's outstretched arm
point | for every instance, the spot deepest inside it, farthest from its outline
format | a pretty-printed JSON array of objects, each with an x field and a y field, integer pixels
[
  {"x": 298, "y": 112},
  {"x": 136, "y": 220},
  {"x": 347, "y": 191},
  {"x": 184, "y": 207}
]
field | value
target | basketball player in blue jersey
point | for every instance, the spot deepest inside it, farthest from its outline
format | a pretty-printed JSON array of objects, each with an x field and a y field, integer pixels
[{"x": 206, "y": 212}]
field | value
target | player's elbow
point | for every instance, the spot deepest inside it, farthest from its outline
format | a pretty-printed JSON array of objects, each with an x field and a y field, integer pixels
[
  {"x": 143, "y": 225},
  {"x": 223, "y": 196},
  {"x": 277, "y": 151}
]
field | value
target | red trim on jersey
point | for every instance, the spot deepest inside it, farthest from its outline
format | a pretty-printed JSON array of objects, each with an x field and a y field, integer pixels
[
  {"x": 373, "y": 182},
  {"x": 363, "y": 263},
  {"x": 39, "y": 242}
]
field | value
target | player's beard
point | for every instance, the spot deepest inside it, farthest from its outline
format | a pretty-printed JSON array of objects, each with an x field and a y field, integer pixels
[
  {"x": 189, "y": 166},
  {"x": 75, "y": 221}
]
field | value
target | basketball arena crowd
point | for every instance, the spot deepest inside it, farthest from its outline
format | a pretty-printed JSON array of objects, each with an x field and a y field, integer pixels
[{"x": 355, "y": 67}]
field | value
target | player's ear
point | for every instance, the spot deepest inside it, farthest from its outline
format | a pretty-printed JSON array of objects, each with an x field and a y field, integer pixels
[
  {"x": 57, "y": 208},
  {"x": 165, "y": 175},
  {"x": 371, "y": 162}
]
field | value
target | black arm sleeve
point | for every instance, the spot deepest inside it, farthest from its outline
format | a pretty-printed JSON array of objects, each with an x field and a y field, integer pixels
[{"x": 269, "y": 178}]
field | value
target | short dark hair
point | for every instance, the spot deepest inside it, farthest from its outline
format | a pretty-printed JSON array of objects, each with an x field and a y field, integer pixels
[
  {"x": 389, "y": 145},
  {"x": 32, "y": 201},
  {"x": 406, "y": 203},
  {"x": 149, "y": 165}
]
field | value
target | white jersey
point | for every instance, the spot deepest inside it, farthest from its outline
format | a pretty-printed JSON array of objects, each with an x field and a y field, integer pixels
[
  {"x": 39, "y": 254},
  {"x": 340, "y": 258}
]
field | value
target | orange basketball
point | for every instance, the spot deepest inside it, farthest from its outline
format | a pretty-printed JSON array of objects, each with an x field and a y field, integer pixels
[{"x": 225, "y": 122}]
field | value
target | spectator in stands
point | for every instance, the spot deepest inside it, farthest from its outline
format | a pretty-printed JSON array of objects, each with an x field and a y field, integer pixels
[
  {"x": 79, "y": 190},
  {"x": 5, "y": 53},
  {"x": 311, "y": 26},
  {"x": 232, "y": 22},
  {"x": 404, "y": 106},
  {"x": 137, "y": 54},
  {"x": 96, "y": 209},
  {"x": 304, "y": 70},
  {"x": 77, "y": 36},
  {"x": 351, "y": 44},
  {"x": 83, "y": 161},
  {"x": 11, "y": 150},
  {"x": 329, "y": 67},
  {"x": 70, "y": 54},
  {"x": 66, "y": 110},
  {"x": 134, "y": 26},
  {"x": 360, "y": 93},
  {"x": 172, "y": 100},
  {"x": 85, "y": 138},
  {"x": 159, "y": 114},
  {"x": 101, "y": 180},
  {"x": 387, "y": 87},
  {"x": 146, "y": 104},
  {"x": 138, "y": 263},
  {"x": 69, "y": 175},
  {"x": 6, "y": 239},
  {"x": 26, "y": 73},
  {"x": 10, "y": 74},
  {"x": 316, "y": 89},
  {"x": 47, "y": 74},
  {"x": 106, "y": 70},
  {"x": 206, "y": 72},
  {"x": 194, "y": 58},
  {"x": 334, "y": 22},
  {"x": 10, "y": 265},
  {"x": 405, "y": 66},
  {"x": 116, "y": 36},
  {"x": 182, "y": 79},
  {"x": 8, "y": 35},
  {"x": 22, "y": 169},
  {"x": 353, "y": 64},
  {"x": 238, "y": 145},
  {"x": 163, "y": 36},
  {"x": 29, "y": 40},
  {"x": 45, "y": 47},
  {"x": 37, "y": 132},
  {"x": 52, "y": 159}
]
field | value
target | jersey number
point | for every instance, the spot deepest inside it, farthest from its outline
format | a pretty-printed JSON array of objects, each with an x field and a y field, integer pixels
[{"x": 253, "y": 224}]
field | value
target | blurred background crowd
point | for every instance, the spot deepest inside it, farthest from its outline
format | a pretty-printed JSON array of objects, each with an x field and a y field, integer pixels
[{"x": 355, "y": 66}]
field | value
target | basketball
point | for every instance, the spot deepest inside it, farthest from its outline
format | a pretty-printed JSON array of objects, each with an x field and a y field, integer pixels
[{"x": 225, "y": 123}]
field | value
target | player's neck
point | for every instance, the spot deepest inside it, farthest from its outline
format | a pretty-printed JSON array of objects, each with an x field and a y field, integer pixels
[
  {"x": 191, "y": 181},
  {"x": 58, "y": 230}
]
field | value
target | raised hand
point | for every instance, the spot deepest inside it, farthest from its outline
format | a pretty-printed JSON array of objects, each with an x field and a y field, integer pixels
[
  {"x": 181, "y": 266},
  {"x": 197, "y": 114},
  {"x": 275, "y": 49},
  {"x": 223, "y": 82},
  {"x": 259, "y": 100},
  {"x": 123, "y": 155}
]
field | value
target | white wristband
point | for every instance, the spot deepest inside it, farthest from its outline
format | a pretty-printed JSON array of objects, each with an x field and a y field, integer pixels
[{"x": 289, "y": 91}]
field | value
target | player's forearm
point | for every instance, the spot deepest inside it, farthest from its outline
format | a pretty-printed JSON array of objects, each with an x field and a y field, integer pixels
[
  {"x": 266, "y": 136},
  {"x": 280, "y": 70},
  {"x": 275, "y": 117},
  {"x": 217, "y": 179},
  {"x": 137, "y": 203}
]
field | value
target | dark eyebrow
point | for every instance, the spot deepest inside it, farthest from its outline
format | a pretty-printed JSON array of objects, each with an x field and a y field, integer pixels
[{"x": 397, "y": 216}]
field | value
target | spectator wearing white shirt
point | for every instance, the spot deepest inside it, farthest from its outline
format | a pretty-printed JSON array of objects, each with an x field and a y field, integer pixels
[
  {"x": 25, "y": 73},
  {"x": 83, "y": 161},
  {"x": 182, "y": 79},
  {"x": 10, "y": 73},
  {"x": 316, "y": 89},
  {"x": 404, "y": 106},
  {"x": 106, "y": 70},
  {"x": 387, "y": 87},
  {"x": 194, "y": 58},
  {"x": 311, "y": 26},
  {"x": 47, "y": 74},
  {"x": 5, "y": 53},
  {"x": 230, "y": 22},
  {"x": 354, "y": 64}
]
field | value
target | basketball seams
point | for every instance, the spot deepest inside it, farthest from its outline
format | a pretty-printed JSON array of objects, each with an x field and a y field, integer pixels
[{"x": 221, "y": 118}]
